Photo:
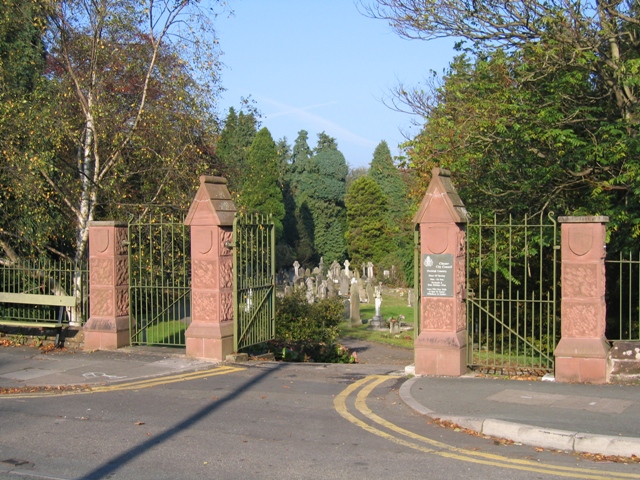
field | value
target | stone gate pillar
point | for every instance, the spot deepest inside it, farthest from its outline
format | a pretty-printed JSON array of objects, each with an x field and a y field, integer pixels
[
  {"x": 108, "y": 325},
  {"x": 440, "y": 348},
  {"x": 210, "y": 334},
  {"x": 581, "y": 354}
]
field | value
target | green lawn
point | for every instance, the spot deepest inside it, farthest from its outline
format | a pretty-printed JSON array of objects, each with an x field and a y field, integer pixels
[{"x": 393, "y": 305}]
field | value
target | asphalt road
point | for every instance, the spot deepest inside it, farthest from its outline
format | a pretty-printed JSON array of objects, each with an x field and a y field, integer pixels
[{"x": 269, "y": 421}]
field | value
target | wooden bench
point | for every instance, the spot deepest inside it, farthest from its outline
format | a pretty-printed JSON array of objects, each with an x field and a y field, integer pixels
[{"x": 61, "y": 301}]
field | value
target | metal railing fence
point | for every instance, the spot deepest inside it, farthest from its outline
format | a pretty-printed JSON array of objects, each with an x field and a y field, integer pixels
[
  {"x": 622, "y": 296},
  {"x": 45, "y": 278}
]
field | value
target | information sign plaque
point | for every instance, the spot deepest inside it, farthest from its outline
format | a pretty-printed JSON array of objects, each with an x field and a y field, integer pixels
[{"x": 437, "y": 275}]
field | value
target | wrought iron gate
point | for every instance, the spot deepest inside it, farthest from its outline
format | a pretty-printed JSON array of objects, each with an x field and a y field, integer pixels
[
  {"x": 512, "y": 291},
  {"x": 254, "y": 279},
  {"x": 159, "y": 280}
]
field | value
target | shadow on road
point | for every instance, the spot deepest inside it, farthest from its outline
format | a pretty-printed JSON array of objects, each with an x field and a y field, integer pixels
[{"x": 111, "y": 465}]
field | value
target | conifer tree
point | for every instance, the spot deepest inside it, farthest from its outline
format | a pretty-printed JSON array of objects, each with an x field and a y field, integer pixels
[
  {"x": 261, "y": 192},
  {"x": 367, "y": 229}
]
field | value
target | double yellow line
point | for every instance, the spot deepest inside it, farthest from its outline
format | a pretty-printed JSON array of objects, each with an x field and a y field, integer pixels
[
  {"x": 401, "y": 436},
  {"x": 135, "y": 385}
]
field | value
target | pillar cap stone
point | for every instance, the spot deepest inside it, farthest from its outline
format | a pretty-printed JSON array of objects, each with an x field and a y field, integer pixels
[
  {"x": 584, "y": 219},
  {"x": 442, "y": 192},
  {"x": 108, "y": 223},
  {"x": 212, "y": 205}
]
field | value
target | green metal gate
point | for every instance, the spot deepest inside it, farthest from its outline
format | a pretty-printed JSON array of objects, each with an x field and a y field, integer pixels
[
  {"x": 254, "y": 279},
  {"x": 159, "y": 280},
  {"x": 512, "y": 294}
]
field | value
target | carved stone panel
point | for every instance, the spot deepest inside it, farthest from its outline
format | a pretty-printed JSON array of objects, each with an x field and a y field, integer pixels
[
  {"x": 226, "y": 237},
  {"x": 226, "y": 272},
  {"x": 120, "y": 241},
  {"x": 204, "y": 274},
  {"x": 122, "y": 301},
  {"x": 582, "y": 320},
  {"x": 102, "y": 302},
  {"x": 101, "y": 272},
  {"x": 580, "y": 281},
  {"x": 226, "y": 307},
  {"x": 438, "y": 314},
  {"x": 204, "y": 306},
  {"x": 121, "y": 271}
]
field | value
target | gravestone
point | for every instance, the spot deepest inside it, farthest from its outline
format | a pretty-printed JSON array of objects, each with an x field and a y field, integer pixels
[
  {"x": 344, "y": 285},
  {"x": 410, "y": 299},
  {"x": 370, "y": 293},
  {"x": 310, "y": 290},
  {"x": 378, "y": 321},
  {"x": 355, "y": 306},
  {"x": 331, "y": 289},
  {"x": 334, "y": 271},
  {"x": 346, "y": 268}
]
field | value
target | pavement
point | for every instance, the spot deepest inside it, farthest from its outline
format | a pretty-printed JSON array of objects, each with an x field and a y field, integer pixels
[{"x": 597, "y": 419}]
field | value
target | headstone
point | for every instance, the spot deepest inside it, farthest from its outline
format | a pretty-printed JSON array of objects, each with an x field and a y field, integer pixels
[
  {"x": 307, "y": 272},
  {"x": 321, "y": 266},
  {"x": 310, "y": 290},
  {"x": 394, "y": 326},
  {"x": 331, "y": 289},
  {"x": 410, "y": 297},
  {"x": 378, "y": 321},
  {"x": 370, "y": 269},
  {"x": 322, "y": 290},
  {"x": 355, "y": 306},
  {"x": 335, "y": 271},
  {"x": 370, "y": 293},
  {"x": 288, "y": 290},
  {"x": 346, "y": 268},
  {"x": 386, "y": 273},
  {"x": 296, "y": 268},
  {"x": 344, "y": 285},
  {"x": 249, "y": 305},
  {"x": 347, "y": 309},
  {"x": 362, "y": 292}
]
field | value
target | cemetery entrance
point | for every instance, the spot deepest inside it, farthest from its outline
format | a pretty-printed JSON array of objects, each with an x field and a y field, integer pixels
[
  {"x": 254, "y": 280},
  {"x": 512, "y": 294},
  {"x": 159, "y": 280}
]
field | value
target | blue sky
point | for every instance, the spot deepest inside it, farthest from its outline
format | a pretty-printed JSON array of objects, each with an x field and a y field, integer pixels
[{"x": 320, "y": 65}]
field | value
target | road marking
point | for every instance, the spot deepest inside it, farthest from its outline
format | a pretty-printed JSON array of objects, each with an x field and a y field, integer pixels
[
  {"x": 417, "y": 442},
  {"x": 133, "y": 385}
]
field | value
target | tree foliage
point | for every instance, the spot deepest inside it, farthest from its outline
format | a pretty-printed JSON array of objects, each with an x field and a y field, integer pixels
[
  {"x": 368, "y": 237},
  {"x": 234, "y": 144},
  {"x": 120, "y": 116},
  {"x": 540, "y": 113},
  {"x": 261, "y": 192}
]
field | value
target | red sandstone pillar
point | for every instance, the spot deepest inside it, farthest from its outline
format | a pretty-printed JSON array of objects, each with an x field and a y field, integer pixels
[
  {"x": 108, "y": 325},
  {"x": 440, "y": 348},
  {"x": 581, "y": 354},
  {"x": 210, "y": 334}
]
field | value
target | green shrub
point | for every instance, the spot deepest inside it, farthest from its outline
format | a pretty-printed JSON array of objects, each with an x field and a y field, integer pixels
[
  {"x": 308, "y": 332},
  {"x": 299, "y": 321}
]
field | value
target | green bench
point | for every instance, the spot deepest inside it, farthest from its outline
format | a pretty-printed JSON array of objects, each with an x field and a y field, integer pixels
[{"x": 61, "y": 301}]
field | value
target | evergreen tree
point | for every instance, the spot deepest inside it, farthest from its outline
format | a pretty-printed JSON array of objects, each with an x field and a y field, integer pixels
[
  {"x": 234, "y": 144},
  {"x": 367, "y": 235},
  {"x": 301, "y": 150},
  {"x": 325, "y": 142},
  {"x": 399, "y": 208},
  {"x": 321, "y": 188},
  {"x": 261, "y": 192},
  {"x": 386, "y": 175}
]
